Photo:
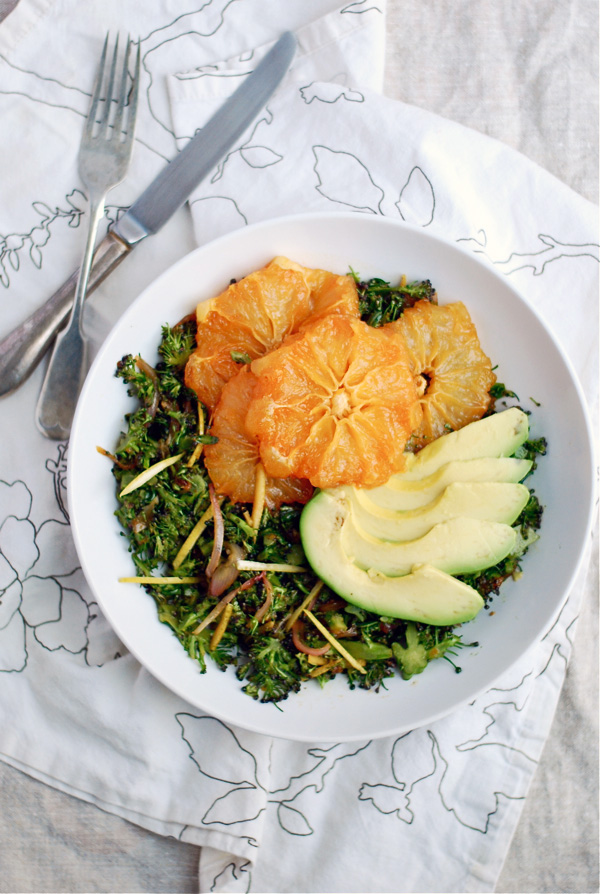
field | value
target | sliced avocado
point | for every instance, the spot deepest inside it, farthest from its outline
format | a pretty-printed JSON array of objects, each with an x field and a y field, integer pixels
[
  {"x": 493, "y": 436},
  {"x": 426, "y": 594},
  {"x": 401, "y": 494},
  {"x": 488, "y": 500},
  {"x": 412, "y": 659},
  {"x": 457, "y": 546}
]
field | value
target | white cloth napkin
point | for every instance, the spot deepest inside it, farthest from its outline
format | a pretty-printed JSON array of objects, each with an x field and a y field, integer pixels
[{"x": 84, "y": 716}]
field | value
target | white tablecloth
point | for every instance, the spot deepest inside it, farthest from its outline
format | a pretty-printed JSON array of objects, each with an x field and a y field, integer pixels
[{"x": 69, "y": 854}]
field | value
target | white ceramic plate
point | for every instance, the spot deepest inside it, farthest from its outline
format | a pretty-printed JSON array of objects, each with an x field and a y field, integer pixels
[{"x": 529, "y": 361}]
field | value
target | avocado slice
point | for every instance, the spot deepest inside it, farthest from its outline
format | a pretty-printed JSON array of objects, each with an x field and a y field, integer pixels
[
  {"x": 426, "y": 595},
  {"x": 457, "y": 546},
  {"x": 493, "y": 436},
  {"x": 400, "y": 494},
  {"x": 494, "y": 501}
]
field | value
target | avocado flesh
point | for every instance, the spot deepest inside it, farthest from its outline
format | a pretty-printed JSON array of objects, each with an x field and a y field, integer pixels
[
  {"x": 493, "y": 501},
  {"x": 401, "y": 494},
  {"x": 498, "y": 435},
  {"x": 457, "y": 546},
  {"x": 393, "y": 549},
  {"x": 426, "y": 595}
]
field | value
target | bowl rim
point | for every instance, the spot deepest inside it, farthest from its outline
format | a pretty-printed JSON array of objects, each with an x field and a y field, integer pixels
[{"x": 304, "y": 219}]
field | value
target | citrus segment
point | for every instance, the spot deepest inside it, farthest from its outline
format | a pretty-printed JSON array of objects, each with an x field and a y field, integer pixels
[
  {"x": 213, "y": 364},
  {"x": 330, "y": 293},
  {"x": 334, "y": 404},
  {"x": 233, "y": 461},
  {"x": 452, "y": 374},
  {"x": 255, "y": 314}
]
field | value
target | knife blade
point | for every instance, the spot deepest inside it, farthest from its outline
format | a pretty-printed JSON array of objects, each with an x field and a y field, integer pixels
[{"x": 22, "y": 349}]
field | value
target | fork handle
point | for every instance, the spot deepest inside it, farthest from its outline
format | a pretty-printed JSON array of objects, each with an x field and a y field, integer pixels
[{"x": 23, "y": 348}]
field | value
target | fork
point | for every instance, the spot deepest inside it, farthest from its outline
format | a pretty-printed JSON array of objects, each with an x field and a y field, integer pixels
[{"x": 104, "y": 156}]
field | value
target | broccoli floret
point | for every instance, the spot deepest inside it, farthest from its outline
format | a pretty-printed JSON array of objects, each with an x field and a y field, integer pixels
[
  {"x": 531, "y": 516},
  {"x": 141, "y": 379},
  {"x": 499, "y": 390},
  {"x": 412, "y": 656},
  {"x": 178, "y": 343},
  {"x": 272, "y": 671},
  {"x": 381, "y": 303}
]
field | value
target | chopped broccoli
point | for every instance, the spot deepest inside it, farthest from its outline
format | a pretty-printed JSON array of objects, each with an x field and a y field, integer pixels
[
  {"x": 259, "y": 641},
  {"x": 381, "y": 303},
  {"x": 272, "y": 671}
]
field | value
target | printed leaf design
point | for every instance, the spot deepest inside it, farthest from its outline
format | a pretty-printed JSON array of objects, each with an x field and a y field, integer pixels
[
  {"x": 329, "y": 93},
  {"x": 41, "y": 600},
  {"x": 417, "y": 199},
  {"x": 13, "y": 259},
  {"x": 328, "y": 759},
  {"x": 8, "y": 575},
  {"x": 260, "y": 156},
  {"x": 10, "y": 601},
  {"x": 554, "y": 250},
  {"x": 360, "y": 7},
  {"x": 69, "y": 631},
  {"x": 343, "y": 178},
  {"x": 502, "y": 780},
  {"x": 57, "y": 556},
  {"x": 15, "y": 499},
  {"x": 239, "y": 805},
  {"x": 217, "y": 751},
  {"x": 41, "y": 584},
  {"x": 13, "y": 654},
  {"x": 233, "y": 879},
  {"x": 421, "y": 764},
  {"x": 219, "y": 215},
  {"x": 387, "y": 799},
  {"x": 36, "y": 256},
  {"x": 37, "y": 237},
  {"x": 18, "y": 544},
  {"x": 292, "y": 821}
]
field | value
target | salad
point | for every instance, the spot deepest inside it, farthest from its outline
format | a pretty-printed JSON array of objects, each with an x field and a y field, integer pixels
[{"x": 212, "y": 508}]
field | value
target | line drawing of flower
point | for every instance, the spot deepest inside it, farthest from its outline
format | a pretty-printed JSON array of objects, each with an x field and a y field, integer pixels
[{"x": 44, "y": 599}]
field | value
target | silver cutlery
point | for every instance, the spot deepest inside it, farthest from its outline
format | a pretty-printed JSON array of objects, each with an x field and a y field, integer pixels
[
  {"x": 104, "y": 157},
  {"x": 22, "y": 349}
]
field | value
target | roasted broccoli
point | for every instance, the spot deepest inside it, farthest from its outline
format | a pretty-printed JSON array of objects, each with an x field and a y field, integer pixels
[{"x": 380, "y": 303}]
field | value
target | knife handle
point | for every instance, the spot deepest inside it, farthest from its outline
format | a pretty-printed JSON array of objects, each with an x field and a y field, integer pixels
[{"x": 23, "y": 348}]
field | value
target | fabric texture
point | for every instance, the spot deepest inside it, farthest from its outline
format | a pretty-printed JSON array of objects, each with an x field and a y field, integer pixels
[{"x": 87, "y": 719}]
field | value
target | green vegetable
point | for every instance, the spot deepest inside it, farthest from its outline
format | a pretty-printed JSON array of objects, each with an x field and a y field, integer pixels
[
  {"x": 380, "y": 303},
  {"x": 158, "y": 516},
  {"x": 411, "y": 657}
]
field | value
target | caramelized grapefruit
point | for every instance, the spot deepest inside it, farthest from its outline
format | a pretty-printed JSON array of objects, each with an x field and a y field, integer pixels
[
  {"x": 233, "y": 461},
  {"x": 255, "y": 314},
  {"x": 335, "y": 404},
  {"x": 452, "y": 374}
]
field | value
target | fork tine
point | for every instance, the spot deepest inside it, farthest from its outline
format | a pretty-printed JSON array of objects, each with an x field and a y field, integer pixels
[
  {"x": 133, "y": 99},
  {"x": 105, "y": 117},
  {"x": 122, "y": 97},
  {"x": 91, "y": 119}
]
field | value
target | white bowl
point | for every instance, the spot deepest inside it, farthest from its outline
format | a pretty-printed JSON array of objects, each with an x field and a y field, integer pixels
[{"x": 529, "y": 361}]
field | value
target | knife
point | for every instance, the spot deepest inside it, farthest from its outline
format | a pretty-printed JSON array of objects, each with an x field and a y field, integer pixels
[{"x": 22, "y": 349}]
